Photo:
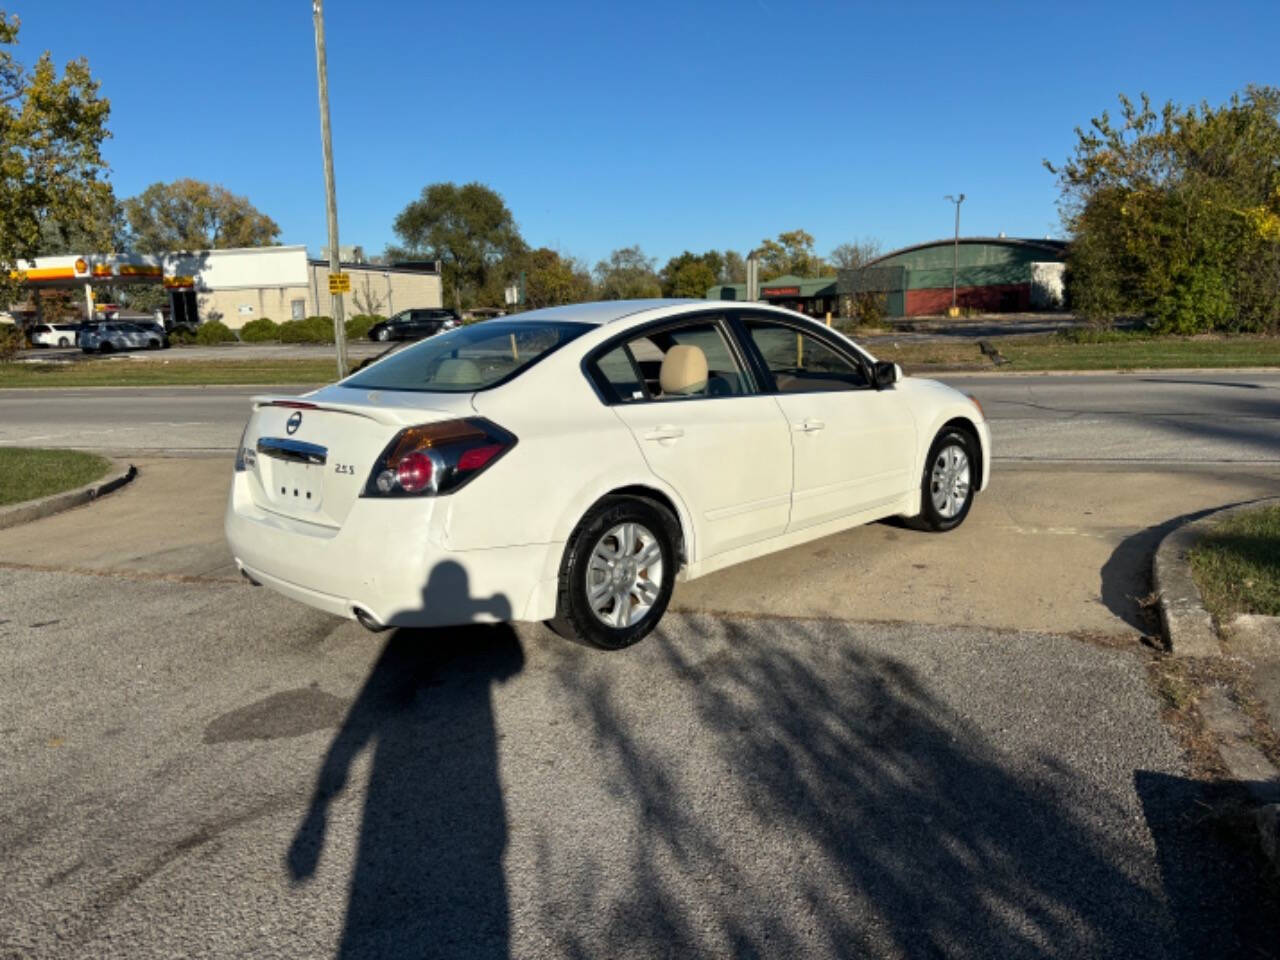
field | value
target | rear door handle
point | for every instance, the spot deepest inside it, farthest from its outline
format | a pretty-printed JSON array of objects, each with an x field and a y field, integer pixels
[
  {"x": 810, "y": 425},
  {"x": 664, "y": 433}
]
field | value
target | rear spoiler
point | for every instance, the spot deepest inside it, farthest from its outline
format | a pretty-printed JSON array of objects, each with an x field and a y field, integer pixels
[{"x": 388, "y": 416}]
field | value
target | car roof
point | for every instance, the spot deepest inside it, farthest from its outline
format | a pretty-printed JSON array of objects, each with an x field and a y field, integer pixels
[{"x": 604, "y": 311}]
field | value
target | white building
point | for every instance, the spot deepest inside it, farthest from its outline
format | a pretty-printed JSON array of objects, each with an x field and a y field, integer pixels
[{"x": 239, "y": 285}]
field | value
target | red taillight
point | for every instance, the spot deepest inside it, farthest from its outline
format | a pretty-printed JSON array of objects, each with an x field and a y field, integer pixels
[
  {"x": 437, "y": 458},
  {"x": 477, "y": 457},
  {"x": 413, "y": 473}
]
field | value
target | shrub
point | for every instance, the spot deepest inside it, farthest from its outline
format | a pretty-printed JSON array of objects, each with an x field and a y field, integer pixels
[
  {"x": 182, "y": 335},
  {"x": 358, "y": 326},
  {"x": 10, "y": 342},
  {"x": 310, "y": 330},
  {"x": 262, "y": 330},
  {"x": 214, "y": 331}
]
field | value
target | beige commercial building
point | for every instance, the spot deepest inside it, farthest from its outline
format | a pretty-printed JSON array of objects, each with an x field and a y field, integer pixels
[{"x": 236, "y": 286}]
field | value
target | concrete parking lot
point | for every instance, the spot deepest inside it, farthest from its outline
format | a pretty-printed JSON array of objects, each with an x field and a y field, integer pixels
[{"x": 884, "y": 743}]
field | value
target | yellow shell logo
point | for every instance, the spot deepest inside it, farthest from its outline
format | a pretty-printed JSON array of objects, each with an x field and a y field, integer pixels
[{"x": 82, "y": 265}]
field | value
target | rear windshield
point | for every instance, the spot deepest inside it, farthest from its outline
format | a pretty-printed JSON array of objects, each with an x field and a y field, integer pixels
[{"x": 468, "y": 358}]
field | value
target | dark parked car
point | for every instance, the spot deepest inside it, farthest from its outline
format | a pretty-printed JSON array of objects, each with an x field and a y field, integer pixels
[{"x": 414, "y": 324}]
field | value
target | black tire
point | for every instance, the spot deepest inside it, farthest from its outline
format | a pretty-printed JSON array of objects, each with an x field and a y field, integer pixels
[
  {"x": 106, "y": 346},
  {"x": 383, "y": 335},
  {"x": 930, "y": 517},
  {"x": 63, "y": 342},
  {"x": 575, "y": 618},
  {"x": 153, "y": 344}
]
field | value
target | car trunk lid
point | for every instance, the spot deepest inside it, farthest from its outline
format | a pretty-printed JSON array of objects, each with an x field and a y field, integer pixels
[{"x": 312, "y": 455}]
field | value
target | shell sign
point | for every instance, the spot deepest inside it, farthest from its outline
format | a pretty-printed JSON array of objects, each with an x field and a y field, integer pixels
[{"x": 82, "y": 266}]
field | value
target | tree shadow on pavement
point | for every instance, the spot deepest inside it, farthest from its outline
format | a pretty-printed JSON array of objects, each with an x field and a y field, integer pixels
[
  {"x": 826, "y": 803},
  {"x": 1211, "y": 866},
  {"x": 428, "y": 878}
]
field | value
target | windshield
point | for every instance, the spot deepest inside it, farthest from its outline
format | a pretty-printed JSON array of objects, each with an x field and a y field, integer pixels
[{"x": 468, "y": 358}]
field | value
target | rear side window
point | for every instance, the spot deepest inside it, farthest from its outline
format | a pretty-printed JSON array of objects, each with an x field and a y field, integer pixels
[
  {"x": 468, "y": 358},
  {"x": 673, "y": 363}
]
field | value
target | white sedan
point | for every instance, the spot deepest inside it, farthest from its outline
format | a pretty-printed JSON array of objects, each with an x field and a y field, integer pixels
[{"x": 570, "y": 464}]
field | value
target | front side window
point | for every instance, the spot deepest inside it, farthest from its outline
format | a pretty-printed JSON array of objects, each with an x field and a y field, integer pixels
[
  {"x": 468, "y": 358},
  {"x": 800, "y": 362},
  {"x": 673, "y": 363}
]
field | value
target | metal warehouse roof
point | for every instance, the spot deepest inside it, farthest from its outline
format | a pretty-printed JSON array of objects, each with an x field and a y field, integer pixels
[{"x": 1055, "y": 248}]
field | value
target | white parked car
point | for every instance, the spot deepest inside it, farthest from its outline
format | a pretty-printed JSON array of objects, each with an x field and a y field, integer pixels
[
  {"x": 118, "y": 335},
  {"x": 53, "y": 334},
  {"x": 569, "y": 464}
]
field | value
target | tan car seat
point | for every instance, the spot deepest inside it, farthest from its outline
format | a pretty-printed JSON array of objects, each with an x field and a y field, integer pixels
[
  {"x": 684, "y": 371},
  {"x": 457, "y": 372}
]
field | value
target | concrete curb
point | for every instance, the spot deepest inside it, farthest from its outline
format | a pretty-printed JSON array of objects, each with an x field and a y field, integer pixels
[
  {"x": 117, "y": 476},
  {"x": 1187, "y": 626}
]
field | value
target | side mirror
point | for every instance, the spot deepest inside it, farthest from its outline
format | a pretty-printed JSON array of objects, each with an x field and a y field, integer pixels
[{"x": 885, "y": 374}]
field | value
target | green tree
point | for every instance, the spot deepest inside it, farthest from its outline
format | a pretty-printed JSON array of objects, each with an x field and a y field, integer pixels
[
  {"x": 193, "y": 215},
  {"x": 691, "y": 274},
  {"x": 470, "y": 230},
  {"x": 551, "y": 279},
  {"x": 51, "y": 130},
  {"x": 1175, "y": 215},
  {"x": 791, "y": 253},
  {"x": 627, "y": 275}
]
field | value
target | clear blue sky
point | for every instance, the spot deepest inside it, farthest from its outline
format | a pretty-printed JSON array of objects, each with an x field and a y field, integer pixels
[{"x": 671, "y": 125}]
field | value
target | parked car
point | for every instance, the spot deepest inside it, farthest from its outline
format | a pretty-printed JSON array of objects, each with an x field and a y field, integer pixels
[
  {"x": 153, "y": 326},
  {"x": 414, "y": 324},
  {"x": 568, "y": 463},
  {"x": 52, "y": 334},
  {"x": 105, "y": 337}
]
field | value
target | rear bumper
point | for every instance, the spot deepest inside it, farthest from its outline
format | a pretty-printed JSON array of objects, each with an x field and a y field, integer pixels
[{"x": 389, "y": 559}]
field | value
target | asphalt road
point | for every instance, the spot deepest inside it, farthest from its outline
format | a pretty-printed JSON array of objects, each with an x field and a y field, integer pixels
[
  {"x": 1143, "y": 417},
  {"x": 205, "y": 769}
]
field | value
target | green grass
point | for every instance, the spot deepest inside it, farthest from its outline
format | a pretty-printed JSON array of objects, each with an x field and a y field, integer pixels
[
  {"x": 1073, "y": 352},
  {"x": 1237, "y": 565},
  {"x": 142, "y": 373},
  {"x": 26, "y": 474},
  {"x": 1076, "y": 350}
]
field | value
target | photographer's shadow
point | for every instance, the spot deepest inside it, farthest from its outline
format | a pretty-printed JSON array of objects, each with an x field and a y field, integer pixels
[{"x": 428, "y": 877}]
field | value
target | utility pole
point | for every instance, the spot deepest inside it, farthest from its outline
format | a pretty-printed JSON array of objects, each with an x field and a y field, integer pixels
[
  {"x": 955, "y": 249},
  {"x": 331, "y": 196}
]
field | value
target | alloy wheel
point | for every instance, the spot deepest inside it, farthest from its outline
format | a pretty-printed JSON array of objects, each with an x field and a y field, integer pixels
[
  {"x": 949, "y": 481},
  {"x": 624, "y": 575}
]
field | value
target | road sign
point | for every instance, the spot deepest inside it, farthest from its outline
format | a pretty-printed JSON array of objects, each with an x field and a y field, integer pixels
[{"x": 339, "y": 283}]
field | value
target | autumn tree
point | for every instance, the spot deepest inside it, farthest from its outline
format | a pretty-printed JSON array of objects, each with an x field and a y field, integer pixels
[
  {"x": 193, "y": 215},
  {"x": 627, "y": 275},
  {"x": 52, "y": 125},
  {"x": 551, "y": 279},
  {"x": 469, "y": 229},
  {"x": 791, "y": 253},
  {"x": 691, "y": 274},
  {"x": 855, "y": 254},
  {"x": 1175, "y": 214},
  {"x": 733, "y": 268}
]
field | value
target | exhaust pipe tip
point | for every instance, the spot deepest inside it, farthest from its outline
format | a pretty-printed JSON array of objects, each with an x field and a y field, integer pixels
[{"x": 367, "y": 620}]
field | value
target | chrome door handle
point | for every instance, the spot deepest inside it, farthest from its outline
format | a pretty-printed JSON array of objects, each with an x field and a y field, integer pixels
[
  {"x": 808, "y": 426},
  {"x": 664, "y": 433}
]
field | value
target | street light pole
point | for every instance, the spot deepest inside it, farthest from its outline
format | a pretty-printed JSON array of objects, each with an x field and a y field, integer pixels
[
  {"x": 331, "y": 195},
  {"x": 955, "y": 249}
]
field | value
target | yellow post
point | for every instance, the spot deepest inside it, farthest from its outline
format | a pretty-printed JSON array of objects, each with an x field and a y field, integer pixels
[
  {"x": 515, "y": 354},
  {"x": 799, "y": 352},
  {"x": 828, "y": 318}
]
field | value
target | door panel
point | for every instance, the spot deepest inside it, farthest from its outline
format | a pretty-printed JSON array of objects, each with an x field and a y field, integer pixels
[
  {"x": 704, "y": 429},
  {"x": 854, "y": 446},
  {"x": 729, "y": 458}
]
